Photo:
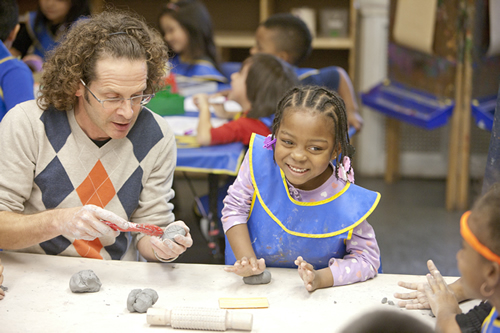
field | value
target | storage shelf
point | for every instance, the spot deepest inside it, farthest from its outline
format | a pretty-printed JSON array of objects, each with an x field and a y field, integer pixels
[{"x": 244, "y": 39}]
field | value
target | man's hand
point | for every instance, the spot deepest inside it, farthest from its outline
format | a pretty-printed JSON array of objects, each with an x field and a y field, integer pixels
[
  {"x": 85, "y": 223},
  {"x": 168, "y": 249}
]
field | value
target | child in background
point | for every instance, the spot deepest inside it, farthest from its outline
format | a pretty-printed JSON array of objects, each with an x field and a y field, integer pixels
[
  {"x": 291, "y": 207},
  {"x": 479, "y": 265},
  {"x": 288, "y": 38},
  {"x": 16, "y": 80},
  {"x": 187, "y": 28},
  {"x": 42, "y": 29},
  {"x": 257, "y": 87}
]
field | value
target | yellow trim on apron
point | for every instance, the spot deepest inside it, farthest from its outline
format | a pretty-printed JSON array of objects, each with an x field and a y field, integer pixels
[{"x": 300, "y": 234}]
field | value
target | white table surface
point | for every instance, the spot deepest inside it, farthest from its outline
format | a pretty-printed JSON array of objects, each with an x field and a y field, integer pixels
[{"x": 39, "y": 298}]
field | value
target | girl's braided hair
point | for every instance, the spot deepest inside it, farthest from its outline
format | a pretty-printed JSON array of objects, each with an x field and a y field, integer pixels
[{"x": 322, "y": 100}]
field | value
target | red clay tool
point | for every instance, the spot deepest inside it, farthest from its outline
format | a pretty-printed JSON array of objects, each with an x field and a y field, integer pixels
[{"x": 148, "y": 229}]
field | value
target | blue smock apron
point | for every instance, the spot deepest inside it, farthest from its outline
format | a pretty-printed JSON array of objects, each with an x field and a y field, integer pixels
[
  {"x": 201, "y": 69},
  {"x": 491, "y": 324},
  {"x": 43, "y": 39},
  {"x": 281, "y": 228}
]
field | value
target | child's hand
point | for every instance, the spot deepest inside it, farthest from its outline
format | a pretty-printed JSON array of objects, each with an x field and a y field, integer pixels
[
  {"x": 201, "y": 101},
  {"x": 415, "y": 299},
  {"x": 247, "y": 267},
  {"x": 307, "y": 274},
  {"x": 441, "y": 298}
]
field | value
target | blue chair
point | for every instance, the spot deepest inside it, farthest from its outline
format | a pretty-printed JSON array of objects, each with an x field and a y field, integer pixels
[
  {"x": 229, "y": 67},
  {"x": 328, "y": 77}
]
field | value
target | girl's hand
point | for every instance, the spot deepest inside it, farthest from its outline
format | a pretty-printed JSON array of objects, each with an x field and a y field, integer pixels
[
  {"x": 201, "y": 101},
  {"x": 247, "y": 267}
]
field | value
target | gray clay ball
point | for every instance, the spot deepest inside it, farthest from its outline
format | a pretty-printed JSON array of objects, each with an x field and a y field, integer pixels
[
  {"x": 85, "y": 282},
  {"x": 262, "y": 278},
  {"x": 173, "y": 230},
  {"x": 141, "y": 300},
  {"x": 384, "y": 300}
]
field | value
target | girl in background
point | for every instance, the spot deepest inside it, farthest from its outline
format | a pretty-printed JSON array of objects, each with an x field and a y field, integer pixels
[
  {"x": 291, "y": 207},
  {"x": 187, "y": 28},
  {"x": 42, "y": 29},
  {"x": 257, "y": 87}
]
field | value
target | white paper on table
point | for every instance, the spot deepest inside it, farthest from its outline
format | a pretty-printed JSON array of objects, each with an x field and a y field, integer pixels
[
  {"x": 494, "y": 47},
  {"x": 414, "y": 24},
  {"x": 182, "y": 125},
  {"x": 229, "y": 106}
]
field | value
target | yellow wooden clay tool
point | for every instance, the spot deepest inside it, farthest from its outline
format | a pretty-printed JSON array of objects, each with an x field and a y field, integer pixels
[
  {"x": 243, "y": 303},
  {"x": 186, "y": 141}
]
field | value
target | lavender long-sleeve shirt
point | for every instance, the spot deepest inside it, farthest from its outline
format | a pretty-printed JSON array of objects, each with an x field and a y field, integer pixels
[{"x": 363, "y": 255}]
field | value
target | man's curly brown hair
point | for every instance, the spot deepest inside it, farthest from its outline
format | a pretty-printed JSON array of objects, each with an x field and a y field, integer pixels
[{"x": 117, "y": 34}]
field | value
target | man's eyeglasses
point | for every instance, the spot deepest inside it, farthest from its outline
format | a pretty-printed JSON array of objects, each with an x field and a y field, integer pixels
[{"x": 115, "y": 103}]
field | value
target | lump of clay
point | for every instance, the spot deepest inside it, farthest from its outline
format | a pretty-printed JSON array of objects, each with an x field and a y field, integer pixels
[
  {"x": 85, "y": 282},
  {"x": 262, "y": 278},
  {"x": 173, "y": 230},
  {"x": 141, "y": 300}
]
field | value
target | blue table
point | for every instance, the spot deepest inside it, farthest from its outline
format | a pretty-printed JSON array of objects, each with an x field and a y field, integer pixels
[
  {"x": 213, "y": 161},
  {"x": 221, "y": 159}
]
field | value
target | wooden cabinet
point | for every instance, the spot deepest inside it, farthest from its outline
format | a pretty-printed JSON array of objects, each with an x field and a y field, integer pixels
[{"x": 235, "y": 22}]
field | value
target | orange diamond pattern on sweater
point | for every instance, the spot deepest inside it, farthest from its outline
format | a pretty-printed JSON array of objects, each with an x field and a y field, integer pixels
[{"x": 97, "y": 190}]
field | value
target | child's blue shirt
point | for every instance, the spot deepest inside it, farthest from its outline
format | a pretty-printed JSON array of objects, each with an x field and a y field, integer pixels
[
  {"x": 200, "y": 69},
  {"x": 16, "y": 81}
]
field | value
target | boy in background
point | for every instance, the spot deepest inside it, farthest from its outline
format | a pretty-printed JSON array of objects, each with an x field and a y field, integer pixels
[
  {"x": 287, "y": 37},
  {"x": 16, "y": 80}
]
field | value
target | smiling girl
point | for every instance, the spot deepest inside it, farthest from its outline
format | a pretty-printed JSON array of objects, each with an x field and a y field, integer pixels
[{"x": 290, "y": 206}]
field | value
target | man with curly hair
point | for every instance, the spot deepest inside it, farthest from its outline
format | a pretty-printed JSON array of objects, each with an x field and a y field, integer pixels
[{"x": 88, "y": 151}]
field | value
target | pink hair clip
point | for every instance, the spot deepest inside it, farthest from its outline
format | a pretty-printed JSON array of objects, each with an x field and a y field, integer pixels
[
  {"x": 345, "y": 171},
  {"x": 269, "y": 143}
]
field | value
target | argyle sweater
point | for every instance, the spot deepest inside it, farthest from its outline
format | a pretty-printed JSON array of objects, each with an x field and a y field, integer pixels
[{"x": 49, "y": 162}]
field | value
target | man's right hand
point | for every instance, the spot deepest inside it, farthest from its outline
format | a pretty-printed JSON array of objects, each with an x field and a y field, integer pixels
[{"x": 85, "y": 223}]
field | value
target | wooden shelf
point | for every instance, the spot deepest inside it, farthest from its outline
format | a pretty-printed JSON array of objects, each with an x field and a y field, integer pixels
[
  {"x": 234, "y": 39},
  {"x": 332, "y": 43},
  {"x": 244, "y": 39}
]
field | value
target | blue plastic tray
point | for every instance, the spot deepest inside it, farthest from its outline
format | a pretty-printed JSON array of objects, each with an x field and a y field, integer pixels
[
  {"x": 409, "y": 105},
  {"x": 483, "y": 110}
]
